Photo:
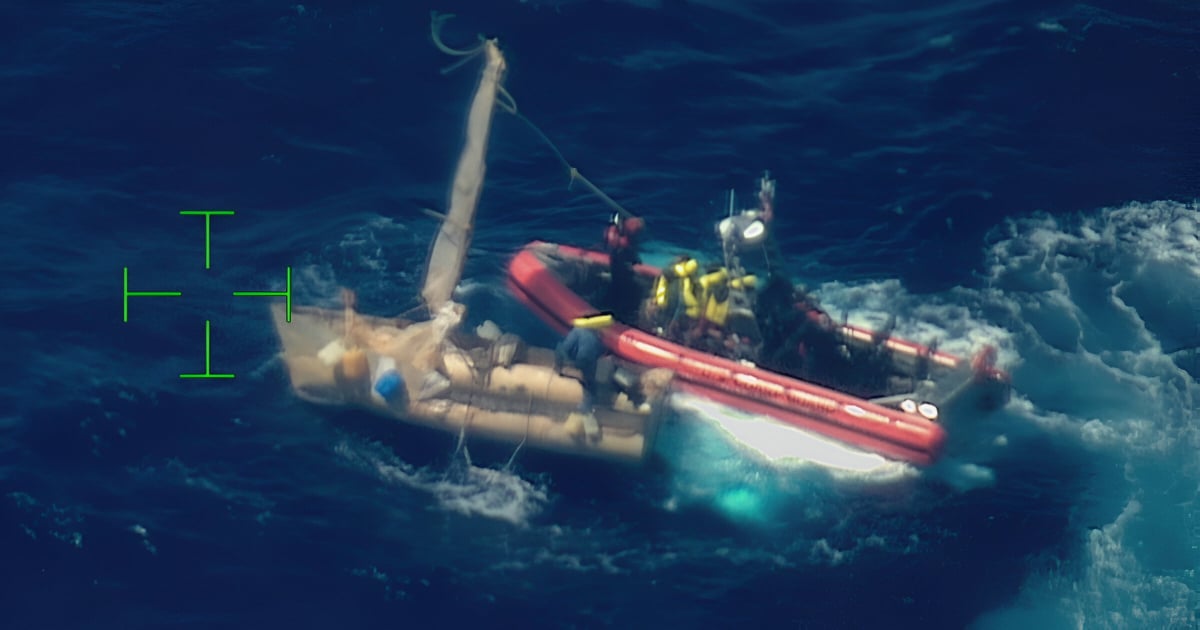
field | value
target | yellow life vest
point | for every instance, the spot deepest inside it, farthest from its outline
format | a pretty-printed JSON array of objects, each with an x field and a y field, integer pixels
[
  {"x": 744, "y": 282},
  {"x": 660, "y": 292},
  {"x": 715, "y": 291},
  {"x": 676, "y": 282}
]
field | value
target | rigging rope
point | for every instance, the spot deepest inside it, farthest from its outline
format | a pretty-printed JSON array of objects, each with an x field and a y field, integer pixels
[
  {"x": 510, "y": 105},
  {"x": 436, "y": 22}
]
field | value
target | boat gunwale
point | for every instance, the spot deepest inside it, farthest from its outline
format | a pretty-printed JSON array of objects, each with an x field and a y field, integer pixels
[{"x": 843, "y": 411}]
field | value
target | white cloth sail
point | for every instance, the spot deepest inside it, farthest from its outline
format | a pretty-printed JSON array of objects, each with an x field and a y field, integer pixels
[{"x": 449, "y": 253}]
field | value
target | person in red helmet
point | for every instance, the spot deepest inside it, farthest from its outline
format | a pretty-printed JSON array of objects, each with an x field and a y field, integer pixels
[{"x": 621, "y": 239}]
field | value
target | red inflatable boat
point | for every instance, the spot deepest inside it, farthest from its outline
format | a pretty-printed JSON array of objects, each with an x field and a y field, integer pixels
[{"x": 898, "y": 418}]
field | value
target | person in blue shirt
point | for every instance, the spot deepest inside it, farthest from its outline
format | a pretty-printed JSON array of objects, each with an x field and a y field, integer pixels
[{"x": 583, "y": 348}]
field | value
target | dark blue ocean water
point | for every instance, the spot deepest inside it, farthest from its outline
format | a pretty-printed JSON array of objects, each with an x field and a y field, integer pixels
[{"x": 1016, "y": 173}]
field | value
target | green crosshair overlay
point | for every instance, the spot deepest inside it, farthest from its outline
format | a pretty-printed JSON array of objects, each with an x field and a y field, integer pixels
[
  {"x": 207, "y": 357},
  {"x": 208, "y": 215},
  {"x": 126, "y": 294},
  {"x": 287, "y": 294}
]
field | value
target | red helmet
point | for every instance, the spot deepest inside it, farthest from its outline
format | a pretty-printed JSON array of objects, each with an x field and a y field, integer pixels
[{"x": 628, "y": 225}]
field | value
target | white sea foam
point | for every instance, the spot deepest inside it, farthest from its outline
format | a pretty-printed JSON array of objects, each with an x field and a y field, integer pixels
[
  {"x": 1094, "y": 315},
  {"x": 464, "y": 489},
  {"x": 1097, "y": 304}
]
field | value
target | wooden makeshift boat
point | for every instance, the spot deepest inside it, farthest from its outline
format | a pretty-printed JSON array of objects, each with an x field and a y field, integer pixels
[{"x": 432, "y": 373}]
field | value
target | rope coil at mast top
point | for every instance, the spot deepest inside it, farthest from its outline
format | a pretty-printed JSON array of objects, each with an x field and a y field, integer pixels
[
  {"x": 509, "y": 104},
  {"x": 447, "y": 255}
]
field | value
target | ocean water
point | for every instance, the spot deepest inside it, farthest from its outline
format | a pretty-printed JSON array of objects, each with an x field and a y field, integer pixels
[{"x": 1018, "y": 173}]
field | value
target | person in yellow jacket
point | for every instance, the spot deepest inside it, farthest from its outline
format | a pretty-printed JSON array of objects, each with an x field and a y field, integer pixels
[
  {"x": 692, "y": 308},
  {"x": 715, "y": 291},
  {"x": 674, "y": 304}
]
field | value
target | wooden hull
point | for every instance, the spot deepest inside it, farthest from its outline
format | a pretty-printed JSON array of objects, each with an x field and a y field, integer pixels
[{"x": 456, "y": 387}]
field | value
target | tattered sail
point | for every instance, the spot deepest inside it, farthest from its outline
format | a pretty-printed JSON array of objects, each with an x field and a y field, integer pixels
[
  {"x": 449, "y": 253},
  {"x": 494, "y": 387}
]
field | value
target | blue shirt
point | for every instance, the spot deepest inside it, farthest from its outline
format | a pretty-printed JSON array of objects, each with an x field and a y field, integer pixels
[{"x": 582, "y": 347}]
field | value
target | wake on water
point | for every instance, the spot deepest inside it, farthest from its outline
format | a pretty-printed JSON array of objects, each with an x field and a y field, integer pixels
[
  {"x": 1098, "y": 308},
  {"x": 1095, "y": 316},
  {"x": 464, "y": 488}
]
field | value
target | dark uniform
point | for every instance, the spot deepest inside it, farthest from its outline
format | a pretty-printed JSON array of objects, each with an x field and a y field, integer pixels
[{"x": 624, "y": 294}]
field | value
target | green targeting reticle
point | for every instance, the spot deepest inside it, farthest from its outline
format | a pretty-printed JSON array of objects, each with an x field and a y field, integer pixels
[
  {"x": 126, "y": 293},
  {"x": 208, "y": 215}
]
